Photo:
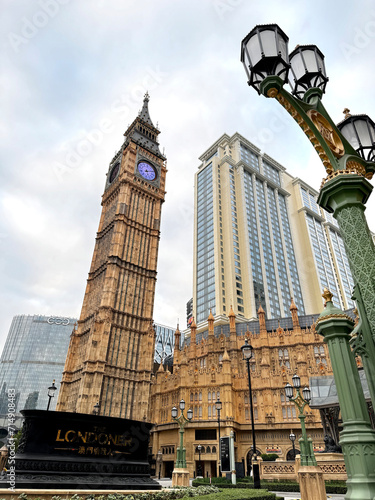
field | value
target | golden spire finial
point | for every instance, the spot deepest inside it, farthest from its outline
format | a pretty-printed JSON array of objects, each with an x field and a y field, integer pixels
[
  {"x": 347, "y": 113},
  {"x": 327, "y": 295}
]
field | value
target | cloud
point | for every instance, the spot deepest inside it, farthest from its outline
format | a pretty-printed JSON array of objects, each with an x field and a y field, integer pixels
[{"x": 74, "y": 86}]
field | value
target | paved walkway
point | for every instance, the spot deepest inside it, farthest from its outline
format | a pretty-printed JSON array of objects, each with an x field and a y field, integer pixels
[{"x": 166, "y": 483}]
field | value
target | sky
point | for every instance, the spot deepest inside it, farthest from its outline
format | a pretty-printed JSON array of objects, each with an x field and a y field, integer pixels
[{"x": 74, "y": 76}]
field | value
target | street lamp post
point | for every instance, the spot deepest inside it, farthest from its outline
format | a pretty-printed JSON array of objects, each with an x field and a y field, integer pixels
[
  {"x": 301, "y": 400},
  {"x": 51, "y": 393},
  {"x": 96, "y": 408},
  {"x": 347, "y": 152},
  {"x": 292, "y": 437},
  {"x": 199, "y": 468},
  {"x": 219, "y": 406},
  {"x": 247, "y": 354},
  {"x": 182, "y": 421}
]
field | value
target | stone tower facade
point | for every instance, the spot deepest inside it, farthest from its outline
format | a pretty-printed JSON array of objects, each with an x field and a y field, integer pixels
[
  {"x": 210, "y": 365},
  {"x": 110, "y": 356}
]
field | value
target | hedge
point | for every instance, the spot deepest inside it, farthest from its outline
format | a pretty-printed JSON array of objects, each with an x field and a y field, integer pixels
[
  {"x": 331, "y": 487},
  {"x": 237, "y": 494}
]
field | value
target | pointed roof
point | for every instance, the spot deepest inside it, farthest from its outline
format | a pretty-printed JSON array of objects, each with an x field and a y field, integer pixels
[
  {"x": 210, "y": 317},
  {"x": 260, "y": 310},
  {"x": 226, "y": 356},
  {"x": 143, "y": 132},
  {"x": 144, "y": 115},
  {"x": 293, "y": 306},
  {"x": 231, "y": 313}
]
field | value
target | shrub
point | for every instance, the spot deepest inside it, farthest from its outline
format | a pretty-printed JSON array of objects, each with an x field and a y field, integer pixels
[{"x": 269, "y": 457}]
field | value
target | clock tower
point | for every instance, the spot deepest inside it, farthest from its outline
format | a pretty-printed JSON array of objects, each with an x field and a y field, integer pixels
[{"x": 111, "y": 352}]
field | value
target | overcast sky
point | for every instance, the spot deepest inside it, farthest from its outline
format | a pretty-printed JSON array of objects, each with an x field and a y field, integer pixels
[{"x": 74, "y": 75}]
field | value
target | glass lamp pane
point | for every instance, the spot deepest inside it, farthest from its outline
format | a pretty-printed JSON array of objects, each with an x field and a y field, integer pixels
[
  {"x": 363, "y": 133},
  {"x": 182, "y": 404},
  {"x": 310, "y": 61},
  {"x": 283, "y": 48},
  {"x": 174, "y": 412},
  {"x": 306, "y": 394},
  {"x": 253, "y": 48},
  {"x": 269, "y": 42},
  {"x": 349, "y": 133},
  {"x": 298, "y": 67}
]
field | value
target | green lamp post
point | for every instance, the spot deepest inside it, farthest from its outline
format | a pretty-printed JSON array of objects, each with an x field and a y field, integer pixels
[
  {"x": 357, "y": 438},
  {"x": 301, "y": 400},
  {"x": 347, "y": 152},
  {"x": 182, "y": 421}
]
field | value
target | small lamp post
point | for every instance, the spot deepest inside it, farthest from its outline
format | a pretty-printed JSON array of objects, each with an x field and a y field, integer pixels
[
  {"x": 199, "y": 468},
  {"x": 247, "y": 354},
  {"x": 96, "y": 409},
  {"x": 307, "y": 452},
  {"x": 292, "y": 437},
  {"x": 219, "y": 406},
  {"x": 51, "y": 393},
  {"x": 182, "y": 421}
]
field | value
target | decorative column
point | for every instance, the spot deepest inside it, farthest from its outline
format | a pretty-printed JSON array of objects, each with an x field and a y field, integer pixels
[{"x": 357, "y": 438}]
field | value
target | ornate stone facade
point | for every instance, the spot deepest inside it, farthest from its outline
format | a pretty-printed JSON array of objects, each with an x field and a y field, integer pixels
[
  {"x": 210, "y": 365},
  {"x": 110, "y": 357}
]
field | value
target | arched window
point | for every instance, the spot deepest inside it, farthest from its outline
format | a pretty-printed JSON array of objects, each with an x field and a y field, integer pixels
[
  {"x": 191, "y": 397},
  {"x": 246, "y": 399},
  {"x": 209, "y": 395},
  {"x": 209, "y": 411},
  {"x": 214, "y": 449},
  {"x": 195, "y": 411},
  {"x": 203, "y": 450},
  {"x": 200, "y": 412},
  {"x": 208, "y": 449},
  {"x": 196, "y": 396},
  {"x": 200, "y": 396},
  {"x": 196, "y": 449}
]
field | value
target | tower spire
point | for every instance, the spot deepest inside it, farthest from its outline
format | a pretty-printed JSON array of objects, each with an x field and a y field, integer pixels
[{"x": 144, "y": 114}]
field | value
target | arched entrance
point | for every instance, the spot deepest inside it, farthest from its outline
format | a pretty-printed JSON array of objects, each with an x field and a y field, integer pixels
[
  {"x": 290, "y": 456},
  {"x": 248, "y": 461}
]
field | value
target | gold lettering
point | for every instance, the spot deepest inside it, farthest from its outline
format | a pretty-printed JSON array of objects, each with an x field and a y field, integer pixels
[
  {"x": 74, "y": 438},
  {"x": 102, "y": 438},
  {"x": 91, "y": 434},
  {"x": 113, "y": 439},
  {"x": 83, "y": 437},
  {"x": 58, "y": 438}
]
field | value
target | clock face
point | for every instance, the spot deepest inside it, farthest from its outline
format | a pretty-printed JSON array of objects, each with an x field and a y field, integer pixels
[
  {"x": 146, "y": 170},
  {"x": 114, "y": 173}
]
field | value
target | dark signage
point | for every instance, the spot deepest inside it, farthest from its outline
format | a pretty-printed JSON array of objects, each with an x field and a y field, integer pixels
[{"x": 224, "y": 454}]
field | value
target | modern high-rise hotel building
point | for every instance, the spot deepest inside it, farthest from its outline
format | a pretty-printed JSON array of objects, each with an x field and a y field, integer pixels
[{"x": 260, "y": 238}]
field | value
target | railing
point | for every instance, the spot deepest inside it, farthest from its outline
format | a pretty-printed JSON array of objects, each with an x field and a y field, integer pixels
[{"x": 332, "y": 465}]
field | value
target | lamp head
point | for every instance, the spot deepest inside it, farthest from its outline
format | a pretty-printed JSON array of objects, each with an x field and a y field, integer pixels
[
  {"x": 51, "y": 390},
  {"x": 292, "y": 437},
  {"x": 182, "y": 405},
  {"x": 296, "y": 381},
  {"x": 264, "y": 52},
  {"x": 174, "y": 412},
  {"x": 307, "y": 70},
  {"x": 359, "y": 131},
  {"x": 218, "y": 405},
  {"x": 306, "y": 394},
  {"x": 247, "y": 350},
  {"x": 288, "y": 391},
  {"x": 189, "y": 414}
]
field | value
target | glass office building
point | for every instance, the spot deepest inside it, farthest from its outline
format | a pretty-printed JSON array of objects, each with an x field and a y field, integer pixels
[
  {"x": 164, "y": 342},
  {"x": 260, "y": 238},
  {"x": 33, "y": 356}
]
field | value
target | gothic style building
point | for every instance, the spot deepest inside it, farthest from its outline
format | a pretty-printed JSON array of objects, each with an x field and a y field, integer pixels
[
  {"x": 110, "y": 356},
  {"x": 210, "y": 366}
]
